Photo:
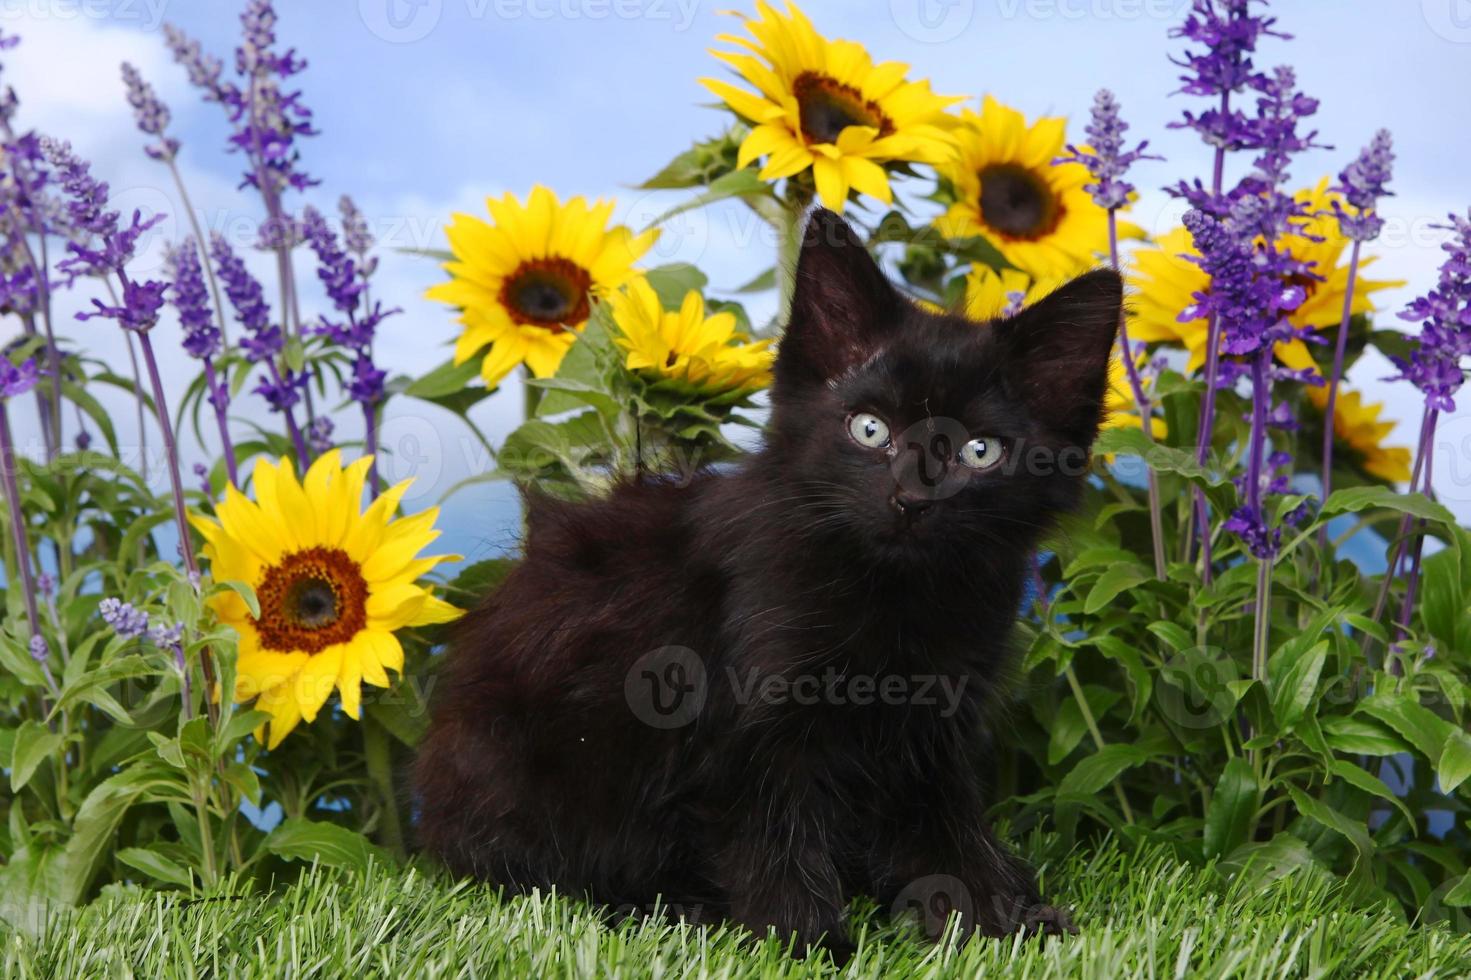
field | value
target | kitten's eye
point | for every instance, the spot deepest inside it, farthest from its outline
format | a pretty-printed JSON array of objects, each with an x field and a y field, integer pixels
[
  {"x": 982, "y": 453},
  {"x": 868, "y": 430}
]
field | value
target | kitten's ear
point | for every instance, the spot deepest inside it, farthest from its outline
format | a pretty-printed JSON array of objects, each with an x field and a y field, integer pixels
[
  {"x": 1059, "y": 349},
  {"x": 843, "y": 307}
]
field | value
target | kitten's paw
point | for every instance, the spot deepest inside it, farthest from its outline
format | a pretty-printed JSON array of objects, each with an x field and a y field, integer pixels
[{"x": 1047, "y": 920}]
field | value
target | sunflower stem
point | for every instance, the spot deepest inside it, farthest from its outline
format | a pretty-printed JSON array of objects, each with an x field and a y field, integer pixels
[
  {"x": 1328, "y": 410},
  {"x": 379, "y": 757}
]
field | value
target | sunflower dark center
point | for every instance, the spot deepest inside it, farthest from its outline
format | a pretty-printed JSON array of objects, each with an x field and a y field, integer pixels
[
  {"x": 550, "y": 293},
  {"x": 310, "y": 600},
  {"x": 1017, "y": 203},
  {"x": 827, "y": 107}
]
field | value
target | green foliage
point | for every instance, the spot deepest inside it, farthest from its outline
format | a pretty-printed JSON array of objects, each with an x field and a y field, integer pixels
[{"x": 1336, "y": 753}]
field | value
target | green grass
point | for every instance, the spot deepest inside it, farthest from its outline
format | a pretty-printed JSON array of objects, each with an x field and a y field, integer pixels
[{"x": 1141, "y": 915}]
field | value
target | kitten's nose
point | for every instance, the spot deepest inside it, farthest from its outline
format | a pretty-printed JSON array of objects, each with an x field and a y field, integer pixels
[{"x": 909, "y": 506}]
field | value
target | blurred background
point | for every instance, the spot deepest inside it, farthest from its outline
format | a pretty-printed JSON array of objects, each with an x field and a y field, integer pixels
[{"x": 427, "y": 106}]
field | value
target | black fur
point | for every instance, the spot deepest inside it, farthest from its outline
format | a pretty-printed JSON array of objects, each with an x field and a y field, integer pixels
[{"x": 540, "y": 769}]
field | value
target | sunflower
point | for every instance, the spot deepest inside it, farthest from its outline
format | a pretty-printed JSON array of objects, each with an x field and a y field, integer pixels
[
  {"x": 1008, "y": 191},
  {"x": 686, "y": 350},
  {"x": 990, "y": 294},
  {"x": 1165, "y": 281},
  {"x": 1356, "y": 423},
  {"x": 824, "y": 105},
  {"x": 524, "y": 280},
  {"x": 333, "y": 584}
]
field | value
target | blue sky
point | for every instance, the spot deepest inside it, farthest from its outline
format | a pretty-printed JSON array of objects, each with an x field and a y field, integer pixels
[{"x": 426, "y": 106}]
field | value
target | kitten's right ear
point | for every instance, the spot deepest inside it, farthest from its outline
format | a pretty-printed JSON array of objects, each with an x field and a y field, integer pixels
[{"x": 843, "y": 308}]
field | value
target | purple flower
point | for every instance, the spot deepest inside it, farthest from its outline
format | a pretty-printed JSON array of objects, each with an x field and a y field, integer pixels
[
  {"x": 125, "y": 621},
  {"x": 1226, "y": 32},
  {"x": 204, "y": 70},
  {"x": 248, "y": 300},
  {"x": 319, "y": 434},
  {"x": 1363, "y": 183},
  {"x": 141, "y": 303},
  {"x": 335, "y": 267},
  {"x": 201, "y": 472},
  {"x": 151, "y": 114},
  {"x": 281, "y": 392},
  {"x": 45, "y": 584},
  {"x": 356, "y": 234},
  {"x": 97, "y": 243},
  {"x": 1107, "y": 161},
  {"x": 1280, "y": 108},
  {"x": 1444, "y": 314},
  {"x": 191, "y": 299},
  {"x": 366, "y": 385},
  {"x": 40, "y": 650},
  {"x": 267, "y": 119},
  {"x": 17, "y": 379}
]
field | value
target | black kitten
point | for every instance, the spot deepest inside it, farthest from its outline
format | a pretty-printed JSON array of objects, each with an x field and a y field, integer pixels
[{"x": 760, "y": 694}]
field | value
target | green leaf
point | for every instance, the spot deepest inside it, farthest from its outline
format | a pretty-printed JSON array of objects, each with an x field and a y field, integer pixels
[
  {"x": 1354, "y": 831},
  {"x": 1292, "y": 677},
  {"x": 1369, "y": 783},
  {"x": 1232, "y": 809},
  {"x": 1165, "y": 459},
  {"x": 674, "y": 281},
  {"x": 483, "y": 577},
  {"x": 156, "y": 866},
  {"x": 1428, "y": 732},
  {"x": 1069, "y": 726},
  {"x": 1098, "y": 770},
  {"x": 1361, "y": 736},
  {"x": 326, "y": 843},
  {"x": 1374, "y": 497},
  {"x": 447, "y": 379},
  {"x": 246, "y": 592},
  {"x": 737, "y": 183},
  {"x": 1454, "y": 765},
  {"x": 34, "y": 744},
  {"x": 1113, "y": 581},
  {"x": 96, "y": 823},
  {"x": 1460, "y": 894},
  {"x": 763, "y": 282}
]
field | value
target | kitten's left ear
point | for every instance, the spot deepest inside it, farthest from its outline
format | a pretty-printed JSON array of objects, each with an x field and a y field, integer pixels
[
  {"x": 843, "y": 308},
  {"x": 1059, "y": 349}
]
